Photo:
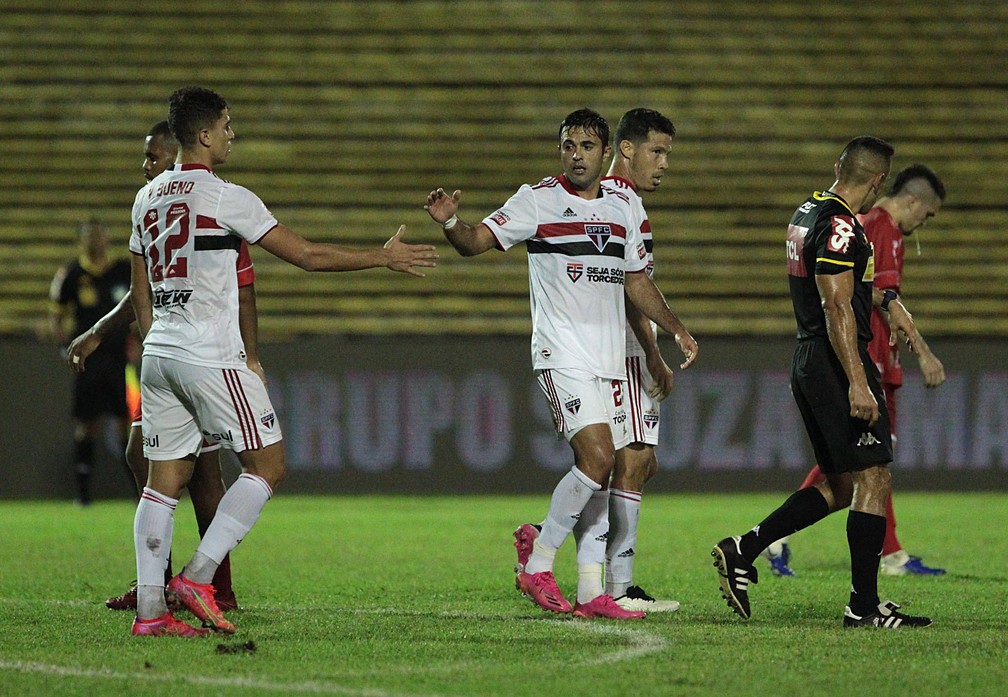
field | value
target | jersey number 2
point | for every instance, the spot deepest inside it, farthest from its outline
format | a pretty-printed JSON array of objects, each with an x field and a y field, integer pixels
[{"x": 177, "y": 264}]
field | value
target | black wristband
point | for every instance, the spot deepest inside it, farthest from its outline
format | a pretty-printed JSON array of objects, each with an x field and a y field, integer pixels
[{"x": 887, "y": 297}]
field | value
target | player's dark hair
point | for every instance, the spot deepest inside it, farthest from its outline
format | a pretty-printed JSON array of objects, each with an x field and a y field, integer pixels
[
  {"x": 588, "y": 119},
  {"x": 908, "y": 174},
  {"x": 192, "y": 109},
  {"x": 159, "y": 130},
  {"x": 636, "y": 124},
  {"x": 863, "y": 158}
]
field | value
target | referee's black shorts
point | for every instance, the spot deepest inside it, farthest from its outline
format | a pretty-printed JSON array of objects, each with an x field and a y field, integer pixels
[
  {"x": 101, "y": 389},
  {"x": 820, "y": 387}
]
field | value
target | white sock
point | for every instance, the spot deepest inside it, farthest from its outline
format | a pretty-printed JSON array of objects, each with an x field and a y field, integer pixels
[
  {"x": 624, "y": 512},
  {"x": 152, "y": 537},
  {"x": 570, "y": 496},
  {"x": 237, "y": 513},
  {"x": 590, "y": 535}
]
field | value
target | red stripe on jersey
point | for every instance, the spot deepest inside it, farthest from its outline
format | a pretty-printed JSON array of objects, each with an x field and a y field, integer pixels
[
  {"x": 569, "y": 229},
  {"x": 547, "y": 183},
  {"x": 243, "y": 267},
  {"x": 619, "y": 182},
  {"x": 619, "y": 194},
  {"x": 205, "y": 222}
]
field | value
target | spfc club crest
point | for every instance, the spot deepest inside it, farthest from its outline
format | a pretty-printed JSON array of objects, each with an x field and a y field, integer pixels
[
  {"x": 574, "y": 405},
  {"x": 267, "y": 419},
  {"x": 574, "y": 270},
  {"x": 599, "y": 235},
  {"x": 651, "y": 419}
]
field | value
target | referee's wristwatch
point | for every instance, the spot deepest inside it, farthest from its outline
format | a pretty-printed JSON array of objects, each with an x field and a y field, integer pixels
[{"x": 887, "y": 297}]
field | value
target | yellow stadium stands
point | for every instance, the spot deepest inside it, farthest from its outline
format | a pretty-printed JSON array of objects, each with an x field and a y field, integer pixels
[{"x": 348, "y": 113}]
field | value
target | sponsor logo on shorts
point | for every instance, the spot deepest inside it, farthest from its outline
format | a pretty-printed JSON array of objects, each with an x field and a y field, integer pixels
[
  {"x": 619, "y": 418},
  {"x": 868, "y": 439},
  {"x": 575, "y": 271},
  {"x": 218, "y": 437},
  {"x": 599, "y": 235},
  {"x": 626, "y": 554},
  {"x": 267, "y": 418},
  {"x": 573, "y": 405},
  {"x": 151, "y": 441}
]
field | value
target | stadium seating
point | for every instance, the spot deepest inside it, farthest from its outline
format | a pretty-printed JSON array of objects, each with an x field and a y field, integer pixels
[{"x": 348, "y": 113}]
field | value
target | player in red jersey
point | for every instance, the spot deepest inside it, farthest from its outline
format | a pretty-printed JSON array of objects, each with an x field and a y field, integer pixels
[
  {"x": 207, "y": 487},
  {"x": 915, "y": 195}
]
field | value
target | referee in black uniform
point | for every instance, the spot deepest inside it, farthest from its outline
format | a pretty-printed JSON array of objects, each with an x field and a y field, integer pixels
[
  {"x": 836, "y": 385},
  {"x": 86, "y": 289}
]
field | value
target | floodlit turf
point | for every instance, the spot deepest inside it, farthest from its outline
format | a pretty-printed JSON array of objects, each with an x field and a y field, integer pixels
[{"x": 383, "y": 596}]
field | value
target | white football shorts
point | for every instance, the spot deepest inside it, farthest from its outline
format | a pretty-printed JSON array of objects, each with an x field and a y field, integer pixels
[
  {"x": 643, "y": 411},
  {"x": 578, "y": 399},
  {"x": 185, "y": 405}
]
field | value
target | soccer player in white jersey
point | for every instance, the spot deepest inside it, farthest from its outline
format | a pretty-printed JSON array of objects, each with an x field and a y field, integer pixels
[
  {"x": 643, "y": 140},
  {"x": 207, "y": 487},
  {"x": 584, "y": 251},
  {"x": 187, "y": 227}
]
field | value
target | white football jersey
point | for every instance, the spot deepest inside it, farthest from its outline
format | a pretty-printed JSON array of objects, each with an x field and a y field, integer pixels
[
  {"x": 188, "y": 224},
  {"x": 578, "y": 253},
  {"x": 633, "y": 346}
]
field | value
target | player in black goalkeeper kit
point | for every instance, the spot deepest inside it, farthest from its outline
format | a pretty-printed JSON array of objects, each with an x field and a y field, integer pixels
[{"x": 836, "y": 386}]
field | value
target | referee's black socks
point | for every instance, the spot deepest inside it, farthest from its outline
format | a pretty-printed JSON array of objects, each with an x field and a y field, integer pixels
[
  {"x": 865, "y": 536},
  {"x": 802, "y": 509}
]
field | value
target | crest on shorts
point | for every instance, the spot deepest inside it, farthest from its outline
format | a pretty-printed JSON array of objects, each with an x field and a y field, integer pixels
[
  {"x": 599, "y": 235},
  {"x": 651, "y": 419},
  {"x": 267, "y": 418},
  {"x": 574, "y": 405}
]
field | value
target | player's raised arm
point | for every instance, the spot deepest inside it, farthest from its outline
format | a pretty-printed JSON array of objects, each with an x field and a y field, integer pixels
[
  {"x": 468, "y": 240},
  {"x": 395, "y": 255}
]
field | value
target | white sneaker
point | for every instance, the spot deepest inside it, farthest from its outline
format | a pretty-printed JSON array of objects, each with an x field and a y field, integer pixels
[
  {"x": 893, "y": 564},
  {"x": 637, "y": 600}
]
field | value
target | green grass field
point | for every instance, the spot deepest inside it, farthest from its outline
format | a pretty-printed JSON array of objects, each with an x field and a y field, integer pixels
[{"x": 388, "y": 596}]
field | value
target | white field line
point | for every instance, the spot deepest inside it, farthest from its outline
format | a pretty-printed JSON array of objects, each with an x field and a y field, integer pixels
[
  {"x": 639, "y": 643},
  {"x": 316, "y": 687}
]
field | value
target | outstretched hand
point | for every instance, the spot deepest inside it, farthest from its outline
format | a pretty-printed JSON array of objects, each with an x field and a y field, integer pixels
[
  {"x": 441, "y": 206},
  {"x": 405, "y": 258}
]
